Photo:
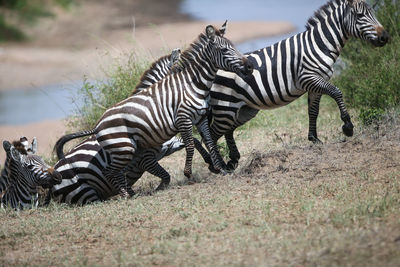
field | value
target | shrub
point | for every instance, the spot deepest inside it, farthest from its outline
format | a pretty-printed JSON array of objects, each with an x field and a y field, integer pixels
[
  {"x": 370, "y": 82},
  {"x": 98, "y": 96}
]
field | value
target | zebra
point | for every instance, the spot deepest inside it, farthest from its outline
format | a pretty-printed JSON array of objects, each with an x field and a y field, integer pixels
[
  {"x": 81, "y": 169},
  {"x": 23, "y": 172},
  {"x": 288, "y": 69},
  {"x": 156, "y": 114}
]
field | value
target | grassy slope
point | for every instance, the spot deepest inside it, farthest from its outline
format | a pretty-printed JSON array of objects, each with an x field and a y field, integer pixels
[{"x": 289, "y": 203}]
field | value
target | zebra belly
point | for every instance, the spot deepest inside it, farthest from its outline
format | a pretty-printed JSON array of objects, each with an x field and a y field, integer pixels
[{"x": 257, "y": 91}]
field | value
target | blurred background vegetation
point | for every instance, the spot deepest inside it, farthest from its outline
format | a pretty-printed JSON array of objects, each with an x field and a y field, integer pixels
[{"x": 16, "y": 13}]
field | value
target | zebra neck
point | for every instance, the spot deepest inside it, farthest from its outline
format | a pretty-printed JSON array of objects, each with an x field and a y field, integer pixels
[
  {"x": 328, "y": 29},
  {"x": 196, "y": 63}
]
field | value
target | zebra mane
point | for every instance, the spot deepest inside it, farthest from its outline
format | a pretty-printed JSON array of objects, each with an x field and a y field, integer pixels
[
  {"x": 187, "y": 54},
  {"x": 149, "y": 70},
  {"x": 318, "y": 16}
]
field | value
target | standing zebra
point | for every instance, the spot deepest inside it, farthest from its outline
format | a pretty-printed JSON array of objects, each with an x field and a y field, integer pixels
[
  {"x": 286, "y": 70},
  {"x": 156, "y": 114},
  {"x": 23, "y": 172},
  {"x": 83, "y": 181}
]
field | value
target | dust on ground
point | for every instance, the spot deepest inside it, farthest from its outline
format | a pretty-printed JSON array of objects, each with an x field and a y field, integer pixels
[{"x": 370, "y": 153}]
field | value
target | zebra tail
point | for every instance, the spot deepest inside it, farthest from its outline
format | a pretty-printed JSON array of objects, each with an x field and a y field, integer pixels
[{"x": 59, "y": 147}]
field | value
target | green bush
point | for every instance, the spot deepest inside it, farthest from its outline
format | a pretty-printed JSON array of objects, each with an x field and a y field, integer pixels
[
  {"x": 370, "y": 82},
  {"x": 97, "y": 96}
]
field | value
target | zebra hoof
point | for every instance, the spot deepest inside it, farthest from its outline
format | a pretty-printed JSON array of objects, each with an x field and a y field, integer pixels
[
  {"x": 124, "y": 194},
  {"x": 212, "y": 169},
  {"x": 315, "y": 140},
  {"x": 232, "y": 165},
  {"x": 188, "y": 174},
  {"x": 223, "y": 172},
  {"x": 162, "y": 186},
  {"x": 348, "y": 129}
]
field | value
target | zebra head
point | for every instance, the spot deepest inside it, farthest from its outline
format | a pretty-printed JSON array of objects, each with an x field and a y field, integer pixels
[
  {"x": 362, "y": 23},
  {"x": 28, "y": 168},
  {"x": 225, "y": 54}
]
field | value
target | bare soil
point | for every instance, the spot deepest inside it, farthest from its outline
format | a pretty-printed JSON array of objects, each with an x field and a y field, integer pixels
[
  {"x": 371, "y": 154},
  {"x": 296, "y": 204}
]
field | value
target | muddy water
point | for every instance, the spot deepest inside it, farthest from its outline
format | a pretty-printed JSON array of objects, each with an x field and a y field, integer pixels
[{"x": 59, "y": 101}]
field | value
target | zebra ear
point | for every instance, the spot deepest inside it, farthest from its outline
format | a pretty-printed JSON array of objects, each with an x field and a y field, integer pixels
[
  {"x": 6, "y": 146},
  {"x": 34, "y": 145},
  {"x": 15, "y": 154},
  {"x": 222, "y": 30},
  {"x": 211, "y": 32}
]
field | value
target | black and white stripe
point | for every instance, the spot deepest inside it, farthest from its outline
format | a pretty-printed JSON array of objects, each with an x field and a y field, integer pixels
[
  {"x": 23, "y": 172},
  {"x": 83, "y": 181},
  {"x": 286, "y": 70},
  {"x": 156, "y": 114},
  {"x": 158, "y": 70},
  {"x": 82, "y": 171}
]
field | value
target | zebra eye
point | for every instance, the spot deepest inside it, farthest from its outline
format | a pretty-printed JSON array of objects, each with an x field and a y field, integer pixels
[
  {"x": 224, "y": 50},
  {"x": 359, "y": 15}
]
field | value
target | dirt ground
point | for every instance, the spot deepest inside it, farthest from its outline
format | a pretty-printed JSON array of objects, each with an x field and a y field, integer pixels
[
  {"x": 368, "y": 154},
  {"x": 93, "y": 35},
  {"x": 292, "y": 204}
]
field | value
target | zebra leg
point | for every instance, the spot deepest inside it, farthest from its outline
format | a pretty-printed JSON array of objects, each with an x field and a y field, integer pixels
[
  {"x": 313, "y": 111},
  {"x": 244, "y": 115},
  {"x": 321, "y": 86},
  {"x": 156, "y": 169},
  {"x": 234, "y": 153},
  {"x": 216, "y": 159},
  {"x": 132, "y": 178},
  {"x": 185, "y": 128},
  {"x": 117, "y": 179},
  {"x": 47, "y": 199},
  {"x": 203, "y": 152}
]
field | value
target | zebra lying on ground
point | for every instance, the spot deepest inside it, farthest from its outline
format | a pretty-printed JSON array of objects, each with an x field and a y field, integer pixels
[
  {"x": 83, "y": 181},
  {"x": 156, "y": 114},
  {"x": 286, "y": 70},
  {"x": 82, "y": 171},
  {"x": 23, "y": 172}
]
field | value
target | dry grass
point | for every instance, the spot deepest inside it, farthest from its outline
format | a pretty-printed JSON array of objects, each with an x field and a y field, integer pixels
[{"x": 290, "y": 203}]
